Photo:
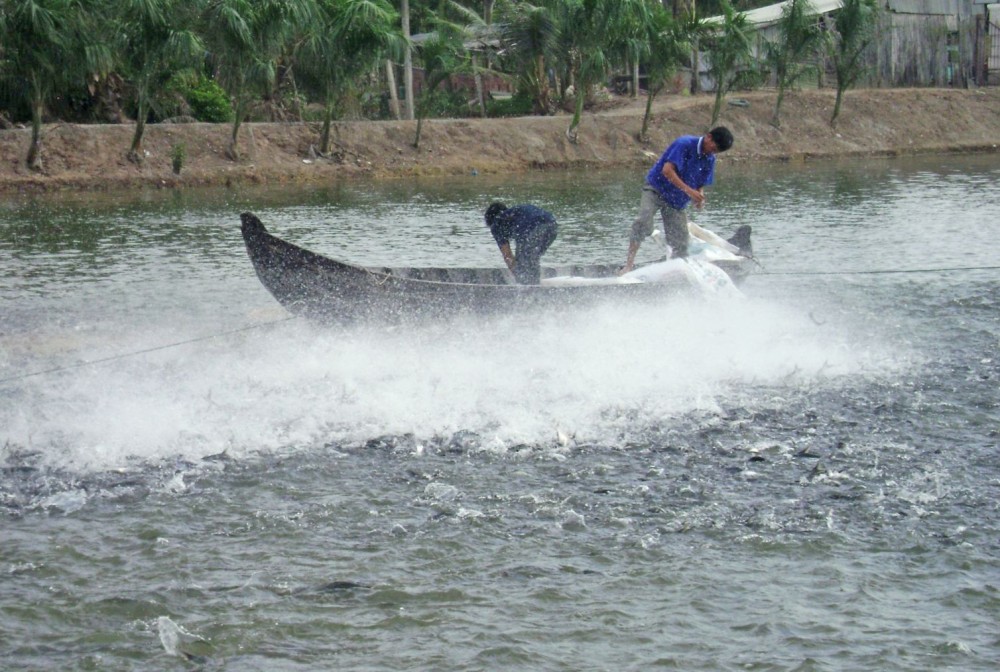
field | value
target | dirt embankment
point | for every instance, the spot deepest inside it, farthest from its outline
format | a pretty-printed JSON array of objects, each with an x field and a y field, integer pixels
[{"x": 873, "y": 122}]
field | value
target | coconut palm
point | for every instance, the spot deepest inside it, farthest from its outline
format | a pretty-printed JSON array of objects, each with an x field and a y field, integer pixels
[
  {"x": 47, "y": 47},
  {"x": 245, "y": 40},
  {"x": 443, "y": 55},
  {"x": 155, "y": 38},
  {"x": 668, "y": 43},
  {"x": 854, "y": 30},
  {"x": 729, "y": 49},
  {"x": 349, "y": 40},
  {"x": 530, "y": 35},
  {"x": 404, "y": 18},
  {"x": 799, "y": 37},
  {"x": 597, "y": 34},
  {"x": 586, "y": 26}
]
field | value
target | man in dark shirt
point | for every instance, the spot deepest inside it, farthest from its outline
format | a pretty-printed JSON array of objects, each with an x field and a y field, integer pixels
[{"x": 532, "y": 230}]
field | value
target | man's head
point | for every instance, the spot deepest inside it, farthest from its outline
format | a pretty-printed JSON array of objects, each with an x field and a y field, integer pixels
[
  {"x": 721, "y": 139},
  {"x": 493, "y": 212}
]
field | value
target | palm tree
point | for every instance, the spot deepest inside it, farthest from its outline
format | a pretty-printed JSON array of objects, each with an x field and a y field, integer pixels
[
  {"x": 156, "y": 37},
  {"x": 854, "y": 30},
  {"x": 350, "y": 38},
  {"x": 246, "y": 38},
  {"x": 530, "y": 34},
  {"x": 404, "y": 17},
  {"x": 590, "y": 30},
  {"x": 587, "y": 26},
  {"x": 443, "y": 55},
  {"x": 667, "y": 45},
  {"x": 686, "y": 11},
  {"x": 798, "y": 37},
  {"x": 46, "y": 47},
  {"x": 729, "y": 51}
]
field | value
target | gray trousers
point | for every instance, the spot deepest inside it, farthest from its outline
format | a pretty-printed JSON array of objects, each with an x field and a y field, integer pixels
[{"x": 675, "y": 222}]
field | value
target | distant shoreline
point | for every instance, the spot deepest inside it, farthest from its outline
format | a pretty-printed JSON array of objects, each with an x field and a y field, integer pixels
[{"x": 873, "y": 123}]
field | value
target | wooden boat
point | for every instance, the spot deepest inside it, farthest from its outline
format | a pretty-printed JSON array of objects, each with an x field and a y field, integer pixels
[{"x": 326, "y": 290}]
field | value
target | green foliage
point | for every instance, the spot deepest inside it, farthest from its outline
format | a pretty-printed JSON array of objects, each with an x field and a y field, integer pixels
[
  {"x": 518, "y": 105},
  {"x": 442, "y": 56},
  {"x": 349, "y": 40},
  {"x": 47, "y": 47},
  {"x": 177, "y": 155},
  {"x": 799, "y": 38},
  {"x": 443, "y": 103},
  {"x": 248, "y": 41},
  {"x": 530, "y": 35},
  {"x": 750, "y": 78},
  {"x": 730, "y": 52},
  {"x": 171, "y": 98},
  {"x": 152, "y": 39},
  {"x": 209, "y": 102},
  {"x": 666, "y": 43},
  {"x": 854, "y": 30}
]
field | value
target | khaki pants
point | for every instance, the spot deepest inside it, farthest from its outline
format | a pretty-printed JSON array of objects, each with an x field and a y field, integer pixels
[{"x": 675, "y": 222}]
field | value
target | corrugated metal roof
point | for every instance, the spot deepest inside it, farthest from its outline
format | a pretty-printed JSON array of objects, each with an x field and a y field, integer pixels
[
  {"x": 945, "y": 7},
  {"x": 765, "y": 16}
]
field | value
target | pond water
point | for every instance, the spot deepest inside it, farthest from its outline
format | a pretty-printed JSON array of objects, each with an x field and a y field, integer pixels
[{"x": 803, "y": 478}]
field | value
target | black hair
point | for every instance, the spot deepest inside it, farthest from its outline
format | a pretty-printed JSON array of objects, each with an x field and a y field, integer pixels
[
  {"x": 494, "y": 211},
  {"x": 722, "y": 137}
]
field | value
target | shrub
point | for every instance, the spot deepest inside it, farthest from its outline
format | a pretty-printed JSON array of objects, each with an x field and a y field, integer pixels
[
  {"x": 443, "y": 104},
  {"x": 518, "y": 105},
  {"x": 209, "y": 102},
  {"x": 177, "y": 154}
]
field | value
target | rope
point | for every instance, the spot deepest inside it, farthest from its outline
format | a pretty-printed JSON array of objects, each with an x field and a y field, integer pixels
[
  {"x": 114, "y": 358},
  {"x": 885, "y": 271}
]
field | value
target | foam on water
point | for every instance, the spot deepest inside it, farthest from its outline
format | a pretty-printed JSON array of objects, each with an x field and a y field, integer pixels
[{"x": 526, "y": 379}]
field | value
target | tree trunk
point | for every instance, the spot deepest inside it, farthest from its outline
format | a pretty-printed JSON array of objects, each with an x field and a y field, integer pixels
[
  {"x": 416, "y": 138},
  {"x": 390, "y": 78},
  {"x": 681, "y": 8},
  {"x": 650, "y": 94},
  {"x": 324, "y": 139},
  {"x": 719, "y": 93},
  {"x": 34, "y": 160},
  {"x": 696, "y": 69},
  {"x": 233, "y": 151},
  {"x": 571, "y": 133},
  {"x": 407, "y": 60},
  {"x": 542, "y": 94},
  {"x": 776, "y": 119},
  {"x": 480, "y": 93},
  {"x": 135, "y": 153},
  {"x": 836, "y": 106}
]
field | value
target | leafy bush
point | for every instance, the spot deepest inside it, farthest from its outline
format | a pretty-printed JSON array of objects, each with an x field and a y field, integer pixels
[
  {"x": 177, "y": 154},
  {"x": 751, "y": 79},
  {"x": 518, "y": 105},
  {"x": 209, "y": 102},
  {"x": 443, "y": 104},
  {"x": 170, "y": 100}
]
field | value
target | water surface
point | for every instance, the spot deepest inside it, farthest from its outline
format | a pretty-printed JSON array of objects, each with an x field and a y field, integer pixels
[{"x": 801, "y": 479}]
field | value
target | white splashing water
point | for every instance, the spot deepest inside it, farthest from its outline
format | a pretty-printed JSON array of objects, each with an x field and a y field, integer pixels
[{"x": 522, "y": 379}]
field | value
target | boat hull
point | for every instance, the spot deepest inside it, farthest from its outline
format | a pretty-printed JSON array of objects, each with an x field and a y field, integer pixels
[{"x": 330, "y": 291}]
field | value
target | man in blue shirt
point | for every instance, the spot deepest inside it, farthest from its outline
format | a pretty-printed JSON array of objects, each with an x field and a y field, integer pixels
[
  {"x": 679, "y": 177},
  {"x": 532, "y": 230}
]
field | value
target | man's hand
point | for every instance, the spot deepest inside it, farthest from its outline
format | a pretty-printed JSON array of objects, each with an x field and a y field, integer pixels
[{"x": 697, "y": 197}]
